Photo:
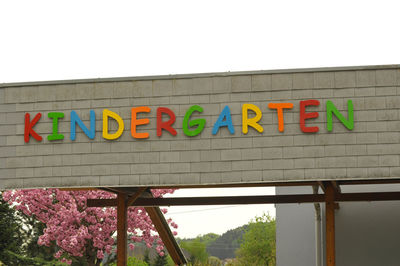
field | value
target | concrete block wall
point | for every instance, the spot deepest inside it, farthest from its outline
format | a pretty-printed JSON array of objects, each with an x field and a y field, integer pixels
[{"x": 371, "y": 150}]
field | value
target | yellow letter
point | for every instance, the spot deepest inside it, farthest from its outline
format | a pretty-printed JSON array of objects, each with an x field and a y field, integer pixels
[
  {"x": 106, "y": 115},
  {"x": 246, "y": 122}
]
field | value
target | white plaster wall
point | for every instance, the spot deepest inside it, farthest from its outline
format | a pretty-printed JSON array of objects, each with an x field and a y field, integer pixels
[
  {"x": 295, "y": 231},
  {"x": 367, "y": 233}
]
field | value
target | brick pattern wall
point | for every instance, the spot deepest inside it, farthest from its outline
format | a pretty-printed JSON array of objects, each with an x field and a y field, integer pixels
[{"x": 371, "y": 150}]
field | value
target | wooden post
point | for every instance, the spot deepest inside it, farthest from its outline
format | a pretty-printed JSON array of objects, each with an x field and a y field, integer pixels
[
  {"x": 330, "y": 225},
  {"x": 166, "y": 235},
  {"x": 121, "y": 229}
]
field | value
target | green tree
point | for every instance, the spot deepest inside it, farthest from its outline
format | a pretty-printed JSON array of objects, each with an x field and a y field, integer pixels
[
  {"x": 10, "y": 233},
  {"x": 132, "y": 261},
  {"x": 208, "y": 238},
  {"x": 197, "y": 251},
  {"x": 258, "y": 246},
  {"x": 214, "y": 261},
  {"x": 160, "y": 260},
  {"x": 18, "y": 239},
  {"x": 32, "y": 230},
  {"x": 225, "y": 246},
  {"x": 170, "y": 262},
  {"x": 146, "y": 257}
]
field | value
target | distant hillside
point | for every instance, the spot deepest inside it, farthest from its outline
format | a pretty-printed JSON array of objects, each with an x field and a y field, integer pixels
[
  {"x": 208, "y": 238},
  {"x": 225, "y": 246},
  {"x": 222, "y": 246}
]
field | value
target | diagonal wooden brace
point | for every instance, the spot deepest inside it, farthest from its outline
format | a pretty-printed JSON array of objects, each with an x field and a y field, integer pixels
[{"x": 166, "y": 235}]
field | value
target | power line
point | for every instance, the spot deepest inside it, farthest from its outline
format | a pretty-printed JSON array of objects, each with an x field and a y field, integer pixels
[{"x": 209, "y": 209}]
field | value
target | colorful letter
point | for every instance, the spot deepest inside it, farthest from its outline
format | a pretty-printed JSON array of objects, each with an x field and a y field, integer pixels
[
  {"x": 246, "y": 122},
  {"x": 76, "y": 120},
  {"x": 136, "y": 122},
  {"x": 106, "y": 115},
  {"x": 304, "y": 116},
  {"x": 279, "y": 108},
  {"x": 331, "y": 108},
  {"x": 29, "y": 127},
  {"x": 167, "y": 125},
  {"x": 224, "y": 120},
  {"x": 200, "y": 123},
  {"x": 55, "y": 135}
]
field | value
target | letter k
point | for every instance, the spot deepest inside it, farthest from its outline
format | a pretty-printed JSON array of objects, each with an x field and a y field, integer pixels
[{"x": 29, "y": 127}]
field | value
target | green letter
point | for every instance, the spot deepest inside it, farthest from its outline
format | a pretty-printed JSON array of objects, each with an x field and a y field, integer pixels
[
  {"x": 348, "y": 123},
  {"x": 200, "y": 123},
  {"x": 55, "y": 135}
]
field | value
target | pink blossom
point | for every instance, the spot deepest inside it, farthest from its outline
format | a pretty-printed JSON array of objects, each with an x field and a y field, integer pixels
[
  {"x": 100, "y": 254},
  {"x": 58, "y": 254},
  {"x": 81, "y": 231},
  {"x": 69, "y": 262}
]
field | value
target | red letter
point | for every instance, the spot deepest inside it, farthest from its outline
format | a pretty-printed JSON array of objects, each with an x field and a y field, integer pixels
[
  {"x": 136, "y": 122},
  {"x": 167, "y": 125},
  {"x": 304, "y": 116},
  {"x": 279, "y": 108},
  {"x": 29, "y": 127}
]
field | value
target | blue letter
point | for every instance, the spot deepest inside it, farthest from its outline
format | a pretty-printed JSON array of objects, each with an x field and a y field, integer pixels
[
  {"x": 76, "y": 120},
  {"x": 225, "y": 114}
]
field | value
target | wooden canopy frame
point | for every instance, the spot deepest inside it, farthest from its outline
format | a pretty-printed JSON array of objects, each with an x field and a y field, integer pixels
[
  {"x": 126, "y": 197},
  {"x": 141, "y": 196}
]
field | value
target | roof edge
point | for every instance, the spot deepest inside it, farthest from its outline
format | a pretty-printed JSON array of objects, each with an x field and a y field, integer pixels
[{"x": 199, "y": 75}]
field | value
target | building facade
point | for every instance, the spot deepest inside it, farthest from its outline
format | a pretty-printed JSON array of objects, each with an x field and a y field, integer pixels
[
  {"x": 367, "y": 233},
  {"x": 202, "y": 129},
  {"x": 221, "y": 129}
]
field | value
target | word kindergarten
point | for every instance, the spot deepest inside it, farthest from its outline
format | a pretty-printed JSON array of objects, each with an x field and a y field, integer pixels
[{"x": 190, "y": 127}]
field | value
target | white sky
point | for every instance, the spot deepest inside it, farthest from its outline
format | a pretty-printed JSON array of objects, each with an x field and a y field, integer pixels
[
  {"x": 200, "y": 220},
  {"x": 50, "y": 40}
]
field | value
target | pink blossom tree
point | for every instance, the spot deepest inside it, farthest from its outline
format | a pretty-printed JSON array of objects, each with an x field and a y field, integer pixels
[{"x": 79, "y": 231}]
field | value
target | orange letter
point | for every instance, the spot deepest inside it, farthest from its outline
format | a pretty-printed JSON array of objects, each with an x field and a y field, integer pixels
[
  {"x": 136, "y": 122},
  {"x": 279, "y": 108}
]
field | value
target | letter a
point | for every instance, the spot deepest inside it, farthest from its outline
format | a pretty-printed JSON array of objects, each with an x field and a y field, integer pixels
[{"x": 224, "y": 120}]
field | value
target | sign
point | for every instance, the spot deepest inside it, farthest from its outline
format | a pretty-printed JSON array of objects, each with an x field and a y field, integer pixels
[
  {"x": 190, "y": 127},
  {"x": 222, "y": 128}
]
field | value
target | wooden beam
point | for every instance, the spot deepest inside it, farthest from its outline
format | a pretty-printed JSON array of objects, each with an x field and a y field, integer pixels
[
  {"x": 368, "y": 196},
  {"x": 135, "y": 196},
  {"x": 272, "y": 199},
  {"x": 189, "y": 201},
  {"x": 337, "y": 191},
  {"x": 368, "y": 181},
  {"x": 336, "y": 187},
  {"x": 330, "y": 224},
  {"x": 166, "y": 235},
  {"x": 102, "y": 203},
  {"x": 233, "y": 200},
  {"x": 156, "y": 216},
  {"x": 129, "y": 191},
  {"x": 322, "y": 185},
  {"x": 269, "y": 184},
  {"x": 121, "y": 230},
  {"x": 78, "y": 188},
  {"x": 241, "y": 200}
]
